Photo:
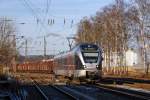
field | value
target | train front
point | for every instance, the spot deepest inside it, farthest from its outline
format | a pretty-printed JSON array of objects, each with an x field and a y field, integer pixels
[{"x": 91, "y": 58}]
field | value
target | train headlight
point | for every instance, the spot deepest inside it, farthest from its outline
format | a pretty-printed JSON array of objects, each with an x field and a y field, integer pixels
[
  {"x": 96, "y": 66},
  {"x": 84, "y": 66}
]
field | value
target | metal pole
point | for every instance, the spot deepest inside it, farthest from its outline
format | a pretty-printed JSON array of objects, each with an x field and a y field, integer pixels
[
  {"x": 44, "y": 47},
  {"x": 26, "y": 49},
  {"x": 70, "y": 42},
  {"x": 14, "y": 52}
]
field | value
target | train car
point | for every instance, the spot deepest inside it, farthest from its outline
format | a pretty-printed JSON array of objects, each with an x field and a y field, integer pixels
[
  {"x": 83, "y": 61},
  {"x": 45, "y": 66}
]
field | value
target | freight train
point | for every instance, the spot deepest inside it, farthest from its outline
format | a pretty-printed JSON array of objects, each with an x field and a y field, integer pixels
[
  {"x": 45, "y": 66},
  {"x": 83, "y": 61}
]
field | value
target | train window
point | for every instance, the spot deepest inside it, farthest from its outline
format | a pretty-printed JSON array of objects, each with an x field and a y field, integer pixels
[
  {"x": 90, "y": 60},
  {"x": 89, "y": 47},
  {"x": 90, "y": 57},
  {"x": 90, "y": 54}
]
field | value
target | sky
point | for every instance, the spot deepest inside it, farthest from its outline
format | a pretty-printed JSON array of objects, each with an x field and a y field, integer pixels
[{"x": 35, "y": 14}]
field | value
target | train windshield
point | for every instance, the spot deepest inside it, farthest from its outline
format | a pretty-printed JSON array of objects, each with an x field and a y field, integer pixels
[
  {"x": 90, "y": 57},
  {"x": 90, "y": 53}
]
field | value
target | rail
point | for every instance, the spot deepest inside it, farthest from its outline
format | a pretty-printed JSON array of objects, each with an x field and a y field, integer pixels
[
  {"x": 5, "y": 97},
  {"x": 126, "y": 80},
  {"x": 136, "y": 95},
  {"x": 40, "y": 91},
  {"x": 64, "y": 92},
  {"x": 71, "y": 97}
]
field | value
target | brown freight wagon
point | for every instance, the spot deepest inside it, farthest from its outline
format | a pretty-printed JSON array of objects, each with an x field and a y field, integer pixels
[{"x": 45, "y": 66}]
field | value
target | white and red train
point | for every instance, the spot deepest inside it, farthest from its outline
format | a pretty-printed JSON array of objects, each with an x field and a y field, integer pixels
[{"x": 84, "y": 60}]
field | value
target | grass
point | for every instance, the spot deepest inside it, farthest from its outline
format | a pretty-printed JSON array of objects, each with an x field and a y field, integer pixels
[
  {"x": 129, "y": 72},
  {"x": 40, "y": 78}
]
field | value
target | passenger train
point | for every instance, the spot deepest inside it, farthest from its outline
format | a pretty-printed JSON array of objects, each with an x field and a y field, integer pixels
[{"x": 83, "y": 61}]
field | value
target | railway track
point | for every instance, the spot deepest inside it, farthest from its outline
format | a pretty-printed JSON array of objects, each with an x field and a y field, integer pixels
[
  {"x": 43, "y": 95},
  {"x": 125, "y": 80},
  {"x": 10, "y": 89},
  {"x": 78, "y": 92},
  {"x": 87, "y": 92},
  {"x": 127, "y": 93},
  {"x": 5, "y": 97},
  {"x": 92, "y": 92},
  {"x": 50, "y": 92}
]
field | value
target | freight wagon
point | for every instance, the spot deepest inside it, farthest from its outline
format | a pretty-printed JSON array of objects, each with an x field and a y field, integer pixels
[{"x": 44, "y": 66}]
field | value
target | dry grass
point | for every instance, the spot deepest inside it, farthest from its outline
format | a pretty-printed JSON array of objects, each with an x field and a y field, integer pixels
[
  {"x": 139, "y": 85},
  {"x": 137, "y": 73},
  {"x": 40, "y": 78},
  {"x": 25, "y": 78},
  {"x": 142, "y": 76}
]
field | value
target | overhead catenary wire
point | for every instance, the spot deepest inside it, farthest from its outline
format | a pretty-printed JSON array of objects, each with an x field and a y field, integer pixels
[
  {"x": 38, "y": 17},
  {"x": 48, "y": 3},
  {"x": 27, "y": 5}
]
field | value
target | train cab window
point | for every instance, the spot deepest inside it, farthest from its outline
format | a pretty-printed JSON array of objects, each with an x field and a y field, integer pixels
[
  {"x": 90, "y": 60},
  {"x": 90, "y": 53},
  {"x": 90, "y": 57}
]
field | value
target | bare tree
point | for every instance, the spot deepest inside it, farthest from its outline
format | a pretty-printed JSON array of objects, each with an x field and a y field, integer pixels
[
  {"x": 139, "y": 19},
  {"x": 84, "y": 31},
  {"x": 7, "y": 41},
  {"x": 117, "y": 27},
  {"x": 143, "y": 7},
  {"x": 108, "y": 29}
]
